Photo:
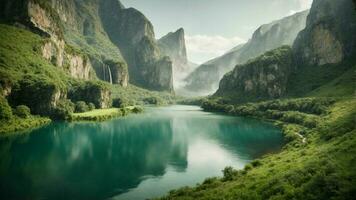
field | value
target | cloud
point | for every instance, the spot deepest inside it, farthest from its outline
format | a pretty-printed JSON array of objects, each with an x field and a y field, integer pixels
[{"x": 202, "y": 48}]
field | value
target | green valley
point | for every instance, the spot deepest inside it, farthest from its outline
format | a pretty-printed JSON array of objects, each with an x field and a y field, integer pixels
[{"x": 99, "y": 102}]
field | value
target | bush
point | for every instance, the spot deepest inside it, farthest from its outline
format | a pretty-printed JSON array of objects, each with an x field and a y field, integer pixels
[
  {"x": 256, "y": 163},
  {"x": 64, "y": 109},
  {"x": 228, "y": 173},
  {"x": 81, "y": 106},
  {"x": 91, "y": 106},
  {"x": 137, "y": 109},
  {"x": 22, "y": 111},
  {"x": 5, "y": 109}
]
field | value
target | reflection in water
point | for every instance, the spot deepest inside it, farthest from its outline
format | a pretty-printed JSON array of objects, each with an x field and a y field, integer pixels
[{"x": 136, "y": 157}]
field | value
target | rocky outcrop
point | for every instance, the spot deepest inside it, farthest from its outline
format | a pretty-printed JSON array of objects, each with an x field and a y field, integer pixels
[
  {"x": 133, "y": 33},
  {"x": 74, "y": 63},
  {"x": 79, "y": 67},
  {"x": 266, "y": 37},
  {"x": 41, "y": 97},
  {"x": 173, "y": 45},
  {"x": 263, "y": 78},
  {"x": 329, "y": 37},
  {"x": 91, "y": 92}
]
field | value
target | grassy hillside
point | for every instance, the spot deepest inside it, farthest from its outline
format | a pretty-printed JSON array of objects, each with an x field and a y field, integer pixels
[
  {"x": 20, "y": 58},
  {"x": 318, "y": 162}
]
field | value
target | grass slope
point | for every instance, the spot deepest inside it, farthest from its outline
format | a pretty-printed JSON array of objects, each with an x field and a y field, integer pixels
[
  {"x": 21, "y": 57},
  {"x": 321, "y": 167}
]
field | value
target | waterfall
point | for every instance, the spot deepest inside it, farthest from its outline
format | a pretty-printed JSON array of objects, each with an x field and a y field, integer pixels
[{"x": 110, "y": 75}]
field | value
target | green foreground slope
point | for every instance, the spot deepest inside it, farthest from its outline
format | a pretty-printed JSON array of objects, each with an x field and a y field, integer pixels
[{"x": 318, "y": 162}]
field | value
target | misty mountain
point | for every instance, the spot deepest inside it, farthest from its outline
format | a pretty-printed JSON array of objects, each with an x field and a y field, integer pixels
[
  {"x": 173, "y": 45},
  {"x": 205, "y": 79}
]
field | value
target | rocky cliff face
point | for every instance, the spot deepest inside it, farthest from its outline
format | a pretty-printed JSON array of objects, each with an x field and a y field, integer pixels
[
  {"x": 265, "y": 38},
  {"x": 329, "y": 37},
  {"x": 133, "y": 33},
  {"x": 103, "y": 30},
  {"x": 83, "y": 29},
  {"x": 265, "y": 77},
  {"x": 173, "y": 45},
  {"x": 317, "y": 58}
]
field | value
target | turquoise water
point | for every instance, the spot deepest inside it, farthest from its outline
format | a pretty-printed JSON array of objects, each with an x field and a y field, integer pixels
[{"x": 136, "y": 157}]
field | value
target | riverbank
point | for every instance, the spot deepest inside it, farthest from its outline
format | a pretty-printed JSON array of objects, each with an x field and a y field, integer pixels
[
  {"x": 17, "y": 124},
  {"x": 318, "y": 166},
  {"x": 104, "y": 114}
]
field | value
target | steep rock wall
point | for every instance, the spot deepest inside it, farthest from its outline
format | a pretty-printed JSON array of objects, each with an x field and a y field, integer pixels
[
  {"x": 265, "y": 77},
  {"x": 329, "y": 37},
  {"x": 133, "y": 33}
]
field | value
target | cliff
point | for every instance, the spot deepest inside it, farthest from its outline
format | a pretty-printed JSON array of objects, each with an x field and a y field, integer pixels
[
  {"x": 266, "y": 37},
  {"x": 322, "y": 56},
  {"x": 133, "y": 33},
  {"x": 265, "y": 77},
  {"x": 329, "y": 37},
  {"x": 173, "y": 45}
]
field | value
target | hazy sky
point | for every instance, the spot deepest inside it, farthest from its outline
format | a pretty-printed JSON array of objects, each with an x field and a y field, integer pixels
[{"x": 214, "y": 26}]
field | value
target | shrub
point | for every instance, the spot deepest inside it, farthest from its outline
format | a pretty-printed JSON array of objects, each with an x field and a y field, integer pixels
[
  {"x": 256, "y": 163},
  {"x": 22, "y": 111},
  {"x": 81, "y": 106},
  {"x": 248, "y": 167},
  {"x": 64, "y": 109},
  {"x": 91, "y": 106},
  {"x": 228, "y": 173},
  {"x": 137, "y": 109},
  {"x": 117, "y": 103},
  {"x": 5, "y": 109}
]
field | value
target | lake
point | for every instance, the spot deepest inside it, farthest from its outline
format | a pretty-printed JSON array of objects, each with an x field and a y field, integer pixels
[{"x": 135, "y": 157}]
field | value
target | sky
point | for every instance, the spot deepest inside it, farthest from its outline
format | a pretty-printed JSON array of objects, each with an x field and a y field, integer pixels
[{"x": 213, "y": 27}]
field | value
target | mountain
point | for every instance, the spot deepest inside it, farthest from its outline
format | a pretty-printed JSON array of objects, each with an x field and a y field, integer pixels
[
  {"x": 133, "y": 33},
  {"x": 70, "y": 50},
  {"x": 173, "y": 45},
  {"x": 205, "y": 79},
  {"x": 330, "y": 35},
  {"x": 322, "y": 58},
  {"x": 119, "y": 42}
]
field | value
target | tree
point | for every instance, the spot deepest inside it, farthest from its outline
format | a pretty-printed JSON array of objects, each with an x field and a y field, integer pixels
[
  {"x": 81, "y": 106},
  {"x": 22, "y": 111}
]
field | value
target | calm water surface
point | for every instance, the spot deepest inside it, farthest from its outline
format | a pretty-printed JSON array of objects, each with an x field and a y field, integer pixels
[{"x": 136, "y": 157}]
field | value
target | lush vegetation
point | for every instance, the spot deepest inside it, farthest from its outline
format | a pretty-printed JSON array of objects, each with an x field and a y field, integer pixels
[
  {"x": 133, "y": 95},
  {"x": 18, "y": 119},
  {"x": 317, "y": 162},
  {"x": 104, "y": 114},
  {"x": 333, "y": 80}
]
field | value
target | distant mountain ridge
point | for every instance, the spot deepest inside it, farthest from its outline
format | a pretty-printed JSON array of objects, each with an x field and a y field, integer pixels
[{"x": 205, "y": 79}]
